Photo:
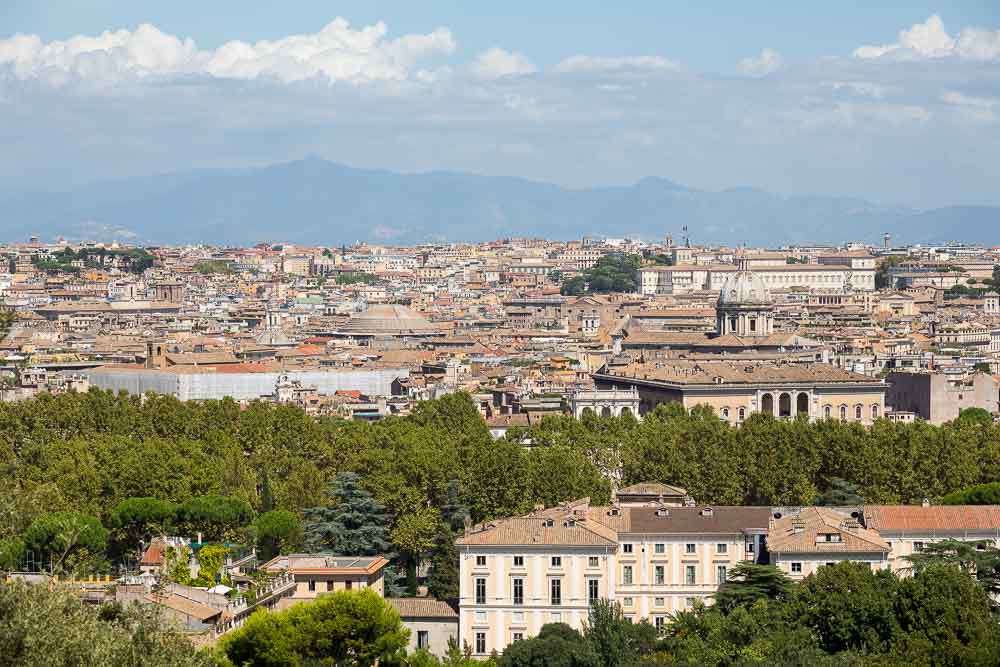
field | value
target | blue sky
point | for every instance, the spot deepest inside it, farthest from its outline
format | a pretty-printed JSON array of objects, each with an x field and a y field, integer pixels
[{"x": 898, "y": 102}]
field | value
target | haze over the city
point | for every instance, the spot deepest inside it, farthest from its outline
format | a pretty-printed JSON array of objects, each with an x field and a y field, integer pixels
[{"x": 896, "y": 104}]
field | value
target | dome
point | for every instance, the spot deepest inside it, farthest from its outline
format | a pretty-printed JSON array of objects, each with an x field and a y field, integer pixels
[
  {"x": 744, "y": 288},
  {"x": 388, "y": 320}
]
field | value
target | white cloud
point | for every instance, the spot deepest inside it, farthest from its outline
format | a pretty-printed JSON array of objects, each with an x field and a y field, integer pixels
[
  {"x": 930, "y": 40},
  {"x": 768, "y": 61},
  {"x": 581, "y": 63},
  {"x": 495, "y": 63},
  {"x": 336, "y": 52},
  {"x": 971, "y": 107}
]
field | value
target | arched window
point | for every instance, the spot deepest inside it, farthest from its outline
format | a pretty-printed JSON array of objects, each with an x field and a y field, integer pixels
[
  {"x": 605, "y": 411},
  {"x": 874, "y": 412},
  {"x": 767, "y": 404},
  {"x": 802, "y": 403},
  {"x": 785, "y": 405},
  {"x": 859, "y": 412},
  {"x": 827, "y": 411},
  {"x": 725, "y": 413},
  {"x": 741, "y": 414},
  {"x": 626, "y": 411},
  {"x": 843, "y": 413}
]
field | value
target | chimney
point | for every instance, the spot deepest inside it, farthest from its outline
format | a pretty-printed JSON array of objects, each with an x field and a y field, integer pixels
[{"x": 925, "y": 502}]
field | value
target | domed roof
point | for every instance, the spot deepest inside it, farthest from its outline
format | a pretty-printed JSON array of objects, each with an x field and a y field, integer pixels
[
  {"x": 388, "y": 320},
  {"x": 744, "y": 288}
]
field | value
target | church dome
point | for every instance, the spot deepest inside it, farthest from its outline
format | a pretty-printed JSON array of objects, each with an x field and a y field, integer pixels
[
  {"x": 389, "y": 320},
  {"x": 744, "y": 288}
]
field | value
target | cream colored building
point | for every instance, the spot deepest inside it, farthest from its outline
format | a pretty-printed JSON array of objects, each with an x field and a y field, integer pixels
[
  {"x": 652, "y": 557},
  {"x": 316, "y": 574},
  {"x": 686, "y": 278},
  {"x": 802, "y": 541}
]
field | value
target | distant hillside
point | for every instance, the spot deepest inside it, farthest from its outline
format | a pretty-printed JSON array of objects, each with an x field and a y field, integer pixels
[{"x": 315, "y": 201}]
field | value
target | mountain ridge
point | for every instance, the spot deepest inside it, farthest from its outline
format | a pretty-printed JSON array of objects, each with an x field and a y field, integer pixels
[{"x": 315, "y": 201}]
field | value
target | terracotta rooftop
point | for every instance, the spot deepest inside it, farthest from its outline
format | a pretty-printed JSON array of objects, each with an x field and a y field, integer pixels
[
  {"x": 804, "y": 533},
  {"x": 935, "y": 518},
  {"x": 422, "y": 608}
]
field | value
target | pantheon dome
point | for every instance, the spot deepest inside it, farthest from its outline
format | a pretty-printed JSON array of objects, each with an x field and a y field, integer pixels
[{"x": 389, "y": 320}]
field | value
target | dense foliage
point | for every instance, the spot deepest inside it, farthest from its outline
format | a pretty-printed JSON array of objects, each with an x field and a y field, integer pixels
[
  {"x": 39, "y": 628},
  {"x": 844, "y": 614},
  {"x": 132, "y": 260},
  {"x": 611, "y": 273},
  {"x": 343, "y": 628},
  {"x": 145, "y": 466}
]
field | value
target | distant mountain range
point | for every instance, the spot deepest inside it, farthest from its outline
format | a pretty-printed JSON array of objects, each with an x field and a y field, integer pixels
[{"x": 313, "y": 201}]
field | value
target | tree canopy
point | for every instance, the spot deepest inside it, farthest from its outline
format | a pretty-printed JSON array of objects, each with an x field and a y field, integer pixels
[{"x": 611, "y": 273}]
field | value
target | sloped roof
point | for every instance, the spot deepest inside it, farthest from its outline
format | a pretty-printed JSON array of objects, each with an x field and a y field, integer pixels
[
  {"x": 422, "y": 608},
  {"x": 651, "y": 489},
  {"x": 933, "y": 519},
  {"x": 797, "y": 533},
  {"x": 533, "y": 531}
]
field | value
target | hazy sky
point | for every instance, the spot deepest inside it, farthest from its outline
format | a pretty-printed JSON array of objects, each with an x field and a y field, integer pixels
[{"x": 898, "y": 103}]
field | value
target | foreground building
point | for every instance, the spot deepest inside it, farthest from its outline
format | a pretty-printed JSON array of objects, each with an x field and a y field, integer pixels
[{"x": 656, "y": 553}]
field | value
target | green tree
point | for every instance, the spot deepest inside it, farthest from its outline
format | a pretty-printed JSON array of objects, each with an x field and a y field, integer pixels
[
  {"x": 342, "y": 628},
  {"x": 980, "y": 494},
  {"x": 278, "y": 531},
  {"x": 557, "y": 645},
  {"x": 42, "y": 628},
  {"x": 840, "y": 493},
  {"x": 980, "y": 559},
  {"x": 414, "y": 535},
  {"x": 848, "y": 606},
  {"x": 615, "y": 639},
  {"x": 748, "y": 582},
  {"x": 217, "y": 517},
  {"x": 136, "y": 520},
  {"x": 354, "y": 524},
  {"x": 443, "y": 579},
  {"x": 67, "y": 542}
]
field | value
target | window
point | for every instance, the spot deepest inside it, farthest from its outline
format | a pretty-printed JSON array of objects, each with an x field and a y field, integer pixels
[
  {"x": 555, "y": 590},
  {"x": 592, "y": 561},
  {"x": 557, "y": 561},
  {"x": 516, "y": 636},
  {"x": 627, "y": 548},
  {"x": 725, "y": 413},
  {"x": 843, "y": 413},
  {"x": 480, "y": 590},
  {"x": 626, "y": 574},
  {"x": 658, "y": 575},
  {"x": 796, "y": 568},
  {"x": 750, "y": 546},
  {"x": 626, "y": 602},
  {"x": 874, "y": 412},
  {"x": 741, "y": 414},
  {"x": 827, "y": 411},
  {"x": 721, "y": 548},
  {"x": 658, "y": 621},
  {"x": 480, "y": 561},
  {"x": 689, "y": 575},
  {"x": 858, "y": 412},
  {"x": 720, "y": 574},
  {"x": 518, "y": 561},
  {"x": 423, "y": 639},
  {"x": 349, "y": 584},
  {"x": 329, "y": 585},
  {"x": 918, "y": 546},
  {"x": 689, "y": 548},
  {"x": 658, "y": 602},
  {"x": 689, "y": 602},
  {"x": 660, "y": 548},
  {"x": 593, "y": 590},
  {"x": 312, "y": 585},
  {"x": 480, "y": 642}
]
